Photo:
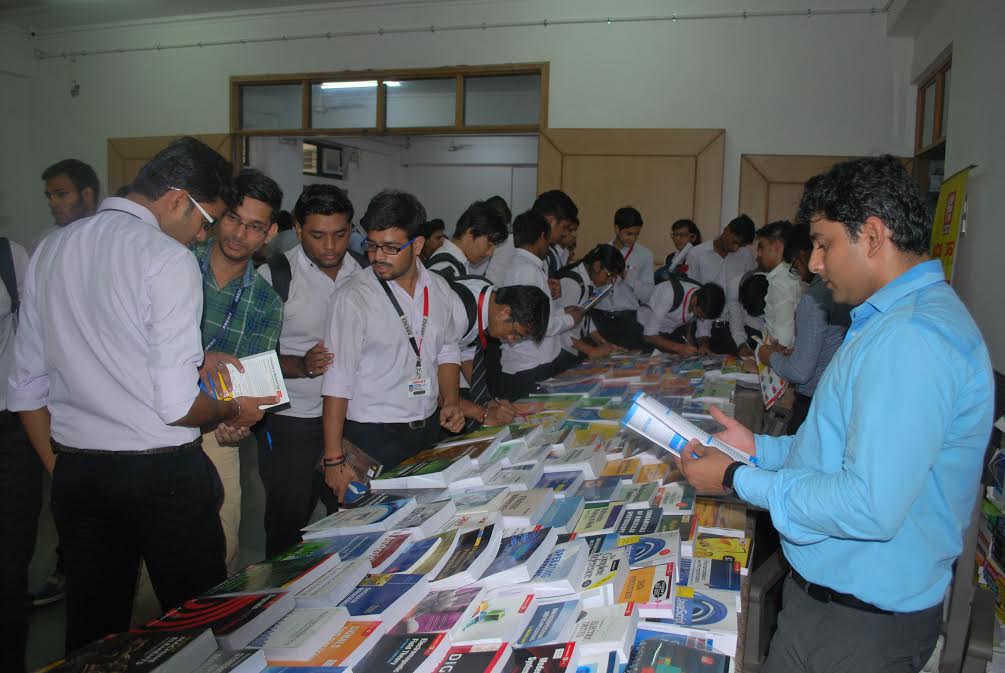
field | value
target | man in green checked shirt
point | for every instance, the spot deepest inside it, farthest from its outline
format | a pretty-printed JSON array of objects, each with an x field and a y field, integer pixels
[{"x": 242, "y": 315}]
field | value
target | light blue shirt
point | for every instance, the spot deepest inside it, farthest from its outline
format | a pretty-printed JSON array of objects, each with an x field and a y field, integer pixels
[{"x": 873, "y": 494}]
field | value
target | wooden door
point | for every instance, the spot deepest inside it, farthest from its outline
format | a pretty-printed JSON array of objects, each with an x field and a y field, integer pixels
[
  {"x": 667, "y": 174},
  {"x": 127, "y": 155}
]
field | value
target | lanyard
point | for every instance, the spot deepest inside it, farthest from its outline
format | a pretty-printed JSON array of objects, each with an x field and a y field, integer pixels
[
  {"x": 230, "y": 311},
  {"x": 416, "y": 347},
  {"x": 629, "y": 253},
  {"x": 481, "y": 328}
]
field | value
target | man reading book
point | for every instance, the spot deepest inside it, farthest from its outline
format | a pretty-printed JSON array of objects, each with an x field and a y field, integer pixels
[
  {"x": 873, "y": 493},
  {"x": 395, "y": 349}
]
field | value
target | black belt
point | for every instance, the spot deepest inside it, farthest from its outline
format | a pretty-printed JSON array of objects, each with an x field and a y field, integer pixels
[
  {"x": 412, "y": 426},
  {"x": 194, "y": 445},
  {"x": 824, "y": 595}
]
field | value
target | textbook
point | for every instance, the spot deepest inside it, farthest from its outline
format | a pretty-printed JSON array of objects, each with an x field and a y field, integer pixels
[
  {"x": 474, "y": 551},
  {"x": 329, "y": 589},
  {"x": 494, "y": 619},
  {"x": 599, "y": 490},
  {"x": 521, "y": 554},
  {"x": 653, "y": 549},
  {"x": 553, "y": 621},
  {"x": 604, "y": 576},
  {"x": 141, "y": 653},
  {"x": 636, "y": 496},
  {"x": 425, "y": 519},
  {"x": 438, "y": 612},
  {"x": 658, "y": 654},
  {"x": 600, "y": 517},
  {"x": 640, "y": 521},
  {"x": 435, "y": 472},
  {"x": 708, "y": 573},
  {"x": 345, "y": 648},
  {"x": 726, "y": 548},
  {"x": 348, "y": 547},
  {"x": 609, "y": 628},
  {"x": 601, "y": 662},
  {"x": 562, "y": 572},
  {"x": 408, "y": 653},
  {"x": 384, "y": 597},
  {"x": 473, "y": 520},
  {"x": 653, "y": 472},
  {"x": 561, "y": 483},
  {"x": 276, "y": 576},
  {"x": 707, "y": 609},
  {"x": 244, "y": 661},
  {"x": 563, "y": 514},
  {"x": 262, "y": 377},
  {"x": 517, "y": 478},
  {"x": 425, "y": 555},
  {"x": 720, "y": 518},
  {"x": 625, "y": 469},
  {"x": 361, "y": 520},
  {"x": 651, "y": 589},
  {"x": 383, "y": 553},
  {"x": 487, "y": 500},
  {"x": 554, "y": 658},
  {"x": 584, "y": 459},
  {"x": 474, "y": 659},
  {"x": 301, "y": 633},
  {"x": 476, "y": 450},
  {"x": 678, "y": 498},
  {"x": 474, "y": 478},
  {"x": 234, "y": 620},
  {"x": 521, "y": 509}
]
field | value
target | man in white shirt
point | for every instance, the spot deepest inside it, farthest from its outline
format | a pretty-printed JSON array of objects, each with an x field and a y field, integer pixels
[
  {"x": 617, "y": 315},
  {"x": 559, "y": 210},
  {"x": 71, "y": 189},
  {"x": 479, "y": 230},
  {"x": 526, "y": 363},
  {"x": 785, "y": 288},
  {"x": 394, "y": 345},
  {"x": 724, "y": 261},
  {"x": 598, "y": 268},
  {"x": 106, "y": 373},
  {"x": 291, "y": 441},
  {"x": 496, "y": 267},
  {"x": 674, "y": 305}
]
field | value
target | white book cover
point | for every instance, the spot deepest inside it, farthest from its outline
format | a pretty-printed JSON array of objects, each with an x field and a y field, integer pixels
[
  {"x": 517, "y": 478},
  {"x": 604, "y": 576},
  {"x": 607, "y": 628},
  {"x": 493, "y": 619},
  {"x": 328, "y": 590},
  {"x": 360, "y": 520},
  {"x": 583, "y": 458},
  {"x": 477, "y": 477},
  {"x": 652, "y": 549},
  {"x": 652, "y": 419},
  {"x": 534, "y": 454},
  {"x": 473, "y": 520},
  {"x": 524, "y": 508},
  {"x": 261, "y": 377},
  {"x": 425, "y": 519},
  {"x": 562, "y": 572},
  {"x": 482, "y": 500},
  {"x": 301, "y": 633}
]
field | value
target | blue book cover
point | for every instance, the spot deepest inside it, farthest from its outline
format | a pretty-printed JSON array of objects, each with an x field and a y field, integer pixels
[
  {"x": 602, "y": 542},
  {"x": 412, "y": 554},
  {"x": 378, "y": 592},
  {"x": 598, "y": 490},
  {"x": 560, "y": 482},
  {"x": 561, "y": 512},
  {"x": 349, "y": 547},
  {"x": 516, "y": 549},
  {"x": 711, "y": 574},
  {"x": 548, "y": 623}
]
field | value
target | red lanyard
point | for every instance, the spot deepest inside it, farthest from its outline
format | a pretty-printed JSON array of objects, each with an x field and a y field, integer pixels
[
  {"x": 481, "y": 327},
  {"x": 629, "y": 254},
  {"x": 684, "y": 304},
  {"x": 425, "y": 319}
]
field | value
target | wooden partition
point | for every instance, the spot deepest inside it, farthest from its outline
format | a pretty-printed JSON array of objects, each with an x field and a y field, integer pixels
[
  {"x": 127, "y": 155},
  {"x": 667, "y": 174}
]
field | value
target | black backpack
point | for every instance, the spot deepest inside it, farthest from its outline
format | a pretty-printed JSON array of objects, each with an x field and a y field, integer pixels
[
  {"x": 567, "y": 272},
  {"x": 8, "y": 275},
  {"x": 282, "y": 274},
  {"x": 456, "y": 269},
  {"x": 469, "y": 300},
  {"x": 677, "y": 280}
]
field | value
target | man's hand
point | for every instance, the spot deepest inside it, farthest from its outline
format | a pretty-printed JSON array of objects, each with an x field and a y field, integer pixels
[
  {"x": 451, "y": 417},
  {"x": 744, "y": 351},
  {"x": 706, "y": 471},
  {"x": 499, "y": 413},
  {"x": 317, "y": 360},
  {"x": 735, "y": 434},
  {"x": 214, "y": 365},
  {"x": 576, "y": 313},
  {"x": 248, "y": 412},
  {"x": 337, "y": 479},
  {"x": 764, "y": 352},
  {"x": 555, "y": 285},
  {"x": 226, "y": 434}
]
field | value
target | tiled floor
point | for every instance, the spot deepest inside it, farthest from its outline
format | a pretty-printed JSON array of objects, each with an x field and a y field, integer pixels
[{"x": 45, "y": 640}]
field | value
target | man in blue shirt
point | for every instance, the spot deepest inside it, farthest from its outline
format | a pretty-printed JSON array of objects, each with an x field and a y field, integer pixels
[{"x": 872, "y": 495}]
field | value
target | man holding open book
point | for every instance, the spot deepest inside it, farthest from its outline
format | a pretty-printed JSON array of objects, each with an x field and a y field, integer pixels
[{"x": 873, "y": 493}]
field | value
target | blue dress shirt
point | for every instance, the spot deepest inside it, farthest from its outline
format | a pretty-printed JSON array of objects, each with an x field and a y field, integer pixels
[{"x": 872, "y": 495}]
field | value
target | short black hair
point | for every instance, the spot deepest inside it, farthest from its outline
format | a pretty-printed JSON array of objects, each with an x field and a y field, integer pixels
[
  {"x": 626, "y": 217},
  {"x": 743, "y": 229},
  {"x": 528, "y": 305},
  {"x": 753, "y": 291},
  {"x": 711, "y": 300},
  {"x": 123, "y": 191},
  {"x": 776, "y": 231},
  {"x": 501, "y": 207},
  {"x": 481, "y": 219},
  {"x": 853, "y": 191},
  {"x": 557, "y": 204},
  {"x": 393, "y": 209},
  {"x": 432, "y": 226},
  {"x": 187, "y": 164},
  {"x": 253, "y": 183},
  {"x": 610, "y": 258},
  {"x": 322, "y": 200},
  {"x": 797, "y": 240},
  {"x": 284, "y": 220},
  {"x": 81, "y": 175},
  {"x": 528, "y": 228},
  {"x": 691, "y": 227}
]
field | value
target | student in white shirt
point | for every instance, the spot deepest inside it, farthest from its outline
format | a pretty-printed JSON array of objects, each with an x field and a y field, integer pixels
[
  {"x": 479, "y": 230},
  {"x": 394, "y": 345},
  {"x": 785, "y": 287},
  {"x": 434, "y": 233},
  {"x": 600, "y": 267},
  {"x": 71, "y": 190},
  {"x": 526, "y": 363},
  {"x": 291, "y": 441},
  {"x": 558, "y": 210},
  {"x": 106, "y": 372},
  {"x": 685, "y": 235},
  {"x": 724, "y": 261},
  {"x": 496, "y": 267},
  {"x": 674, "y": 305},
  {"x": 617, "y": 320}
]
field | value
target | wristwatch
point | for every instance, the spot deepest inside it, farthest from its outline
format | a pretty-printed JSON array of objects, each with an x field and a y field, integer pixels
[{"x": 727, "y": 477}]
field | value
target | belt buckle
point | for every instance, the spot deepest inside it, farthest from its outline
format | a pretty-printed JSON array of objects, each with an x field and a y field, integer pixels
[{"x": 417, "y": 425}]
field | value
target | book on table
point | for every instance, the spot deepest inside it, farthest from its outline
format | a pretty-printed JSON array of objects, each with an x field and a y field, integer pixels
[
  {"x": 148, "y": 652},
  {"x": 332, "y": 587},
  {"x": 234, "y": 620},
  {"x": 426, "y": 519},
  {"x": 494, "y": 618},
  {"x": 424, "y": 556},
  {"x": 665, "y": 655},
  {"x": 291, "y": 574},
  {"x": 563, "y": 514},
  {"x": 475, "y": 550},
  {"x": 518, "y": 477},
  {"x": 708, "y": 573},
  {"x": 405, "y": 653},
  {"x": 653, "y": 549},
  {"x": 608, "y": 628},
  {"x": 301, "y": 633},
  {"x": 554, "y": 658},
  {"x": 553, "y": 622},
  {"x": 489, "y": 499},
  {"x": 521, "y": 509},
  {"x": 435, "y": 472},
  {"x": 604, "y": 577},
  {"x": 521, "y": 554},
  {"x": 385, "y": 597},
  {"x": 437, "y": 612},
  {"x": 345, "y": 648},
  {"x": 561, "y": 483},
  {"x": 239, "y": 661},
  {"x": 378, "y": 518},
  {"x": 599, "y": 517},
  {"x": 474, "y": 659},
  {"x": 635, "y": 522},
  {"x": 562, "y": 572},
  {"x": 651, "y": 589}
]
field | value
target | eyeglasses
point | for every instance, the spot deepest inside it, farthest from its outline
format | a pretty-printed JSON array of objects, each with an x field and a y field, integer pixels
[
  {"x": 386, "y": 248},
  {"x": 209, "y": 218},
  {"x": 515, "y": 334},
  {"x": 256, "y": 228}
]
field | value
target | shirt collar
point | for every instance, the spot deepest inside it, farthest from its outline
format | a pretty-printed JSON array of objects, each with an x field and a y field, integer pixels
[
  {"x": 455, "y": 251},
  {"x": 349, "y": 264},
  {"x": 529, "y": 255},
  {"x": 131, "y": 207},
  {"x": 780, "y": 270},
  {"x": 249, "y": 271},
  {"x": 917, "y": 277}
]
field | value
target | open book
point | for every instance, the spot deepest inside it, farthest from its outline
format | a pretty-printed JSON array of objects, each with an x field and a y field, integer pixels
[{"x": 262, "y": 377}]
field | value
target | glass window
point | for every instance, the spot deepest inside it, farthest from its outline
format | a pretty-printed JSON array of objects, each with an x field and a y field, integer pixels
[
  {"x": 502, "y": 100},
  {"x": 344, "y": 105},
  {"x": 421, "y": 102},
  {"x": 273, "y": 106},
  {"x": 928, "y": 116}
]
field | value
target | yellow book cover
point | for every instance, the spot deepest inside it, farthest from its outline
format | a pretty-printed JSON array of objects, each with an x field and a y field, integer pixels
[
  {"x": 652, "y": 472},
  {"x": 723, "y": 548},
  {"x": 626, "y": 469}
]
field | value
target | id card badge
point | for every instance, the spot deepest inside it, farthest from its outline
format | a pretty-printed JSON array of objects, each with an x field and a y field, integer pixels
[{"x": 418, "y": 386}]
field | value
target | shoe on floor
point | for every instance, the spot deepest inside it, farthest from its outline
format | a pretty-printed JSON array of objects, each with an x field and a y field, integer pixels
[{"x": 50, "y": 591}]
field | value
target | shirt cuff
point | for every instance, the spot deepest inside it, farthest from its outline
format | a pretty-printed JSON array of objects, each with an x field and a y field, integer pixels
[
  {"x": 449, "y": 354},
  {"x": 175, "y": 390},
  {"x": 29, "y": 397},
  {"x": 753, "y": 485},
  {"x": 336, "y": 386}
]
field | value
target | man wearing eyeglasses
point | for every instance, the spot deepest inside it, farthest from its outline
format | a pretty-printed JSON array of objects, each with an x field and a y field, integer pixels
[
  {"x": 785, "y": 288},
  {"x": 242, "y": 315},
  {"x": 479, "y": 230},
  {"x": 106, "y": 370},
  {"x": 395, "y": 348}
]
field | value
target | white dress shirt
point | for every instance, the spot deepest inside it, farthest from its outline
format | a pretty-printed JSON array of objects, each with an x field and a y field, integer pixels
[
  {"x": 109, "y": 334},
  {"x": 706, "y": 266},
  {"x": 450, "y": 248},
  {"x": 657, "y": 316},
  {"x": 528, "y": 269},
  {"x": 634, "y": 289},
  {"x": 305, "y": 322},
  {"x": 496, "y": 267},
  {"x": 374, "y": 360},
  {"x": 8, "y": 323},
  {"x": 467, "y": 337},
  {"x": 573, "y": 294},
  {"x": 785, "y": 289}
]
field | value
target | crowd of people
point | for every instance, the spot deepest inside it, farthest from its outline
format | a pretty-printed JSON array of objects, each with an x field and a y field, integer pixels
[{"x": 392, "y": 334}]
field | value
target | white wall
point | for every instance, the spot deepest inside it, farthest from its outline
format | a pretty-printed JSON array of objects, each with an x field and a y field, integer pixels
[
  {"x": 975, "y": 134},
  {"x": 20, "y": 186},
  {"x": 445, "y": 180},
  {"x": 820, "y": 85}
]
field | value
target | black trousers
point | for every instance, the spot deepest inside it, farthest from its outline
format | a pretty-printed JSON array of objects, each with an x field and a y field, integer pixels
[
  {"x": 20, "y": 504},
  {"x": 800, "y": 407},
  {"x": 721, "y": 340},
  {"x": 620, "y": 328},
  {"x": 564, "y": 361},
  {"x": 391, "y": 443},
  {"x": 289, "y": 451},
  {"x": 522, "y": 384},
  {"x": 111, "y": 510}
]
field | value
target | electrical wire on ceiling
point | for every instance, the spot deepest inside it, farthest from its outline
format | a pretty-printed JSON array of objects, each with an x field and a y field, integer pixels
[{"x": 675, "y": 17}]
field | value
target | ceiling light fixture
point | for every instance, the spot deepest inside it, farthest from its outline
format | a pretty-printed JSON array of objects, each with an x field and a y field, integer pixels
[{"x": 364, "y": 84}]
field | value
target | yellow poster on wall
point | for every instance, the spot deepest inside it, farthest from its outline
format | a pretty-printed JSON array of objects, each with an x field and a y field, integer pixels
[{"x": 949, "y": 214}]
